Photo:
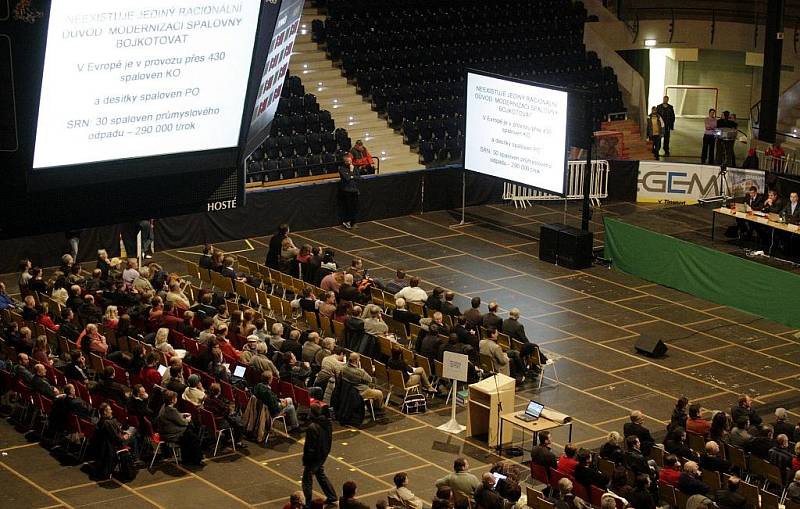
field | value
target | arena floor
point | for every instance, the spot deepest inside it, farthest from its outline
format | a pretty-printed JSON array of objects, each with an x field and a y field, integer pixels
[{"x": 588, "y": 320}]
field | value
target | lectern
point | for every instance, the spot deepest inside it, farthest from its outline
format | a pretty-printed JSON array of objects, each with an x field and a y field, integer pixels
[{"x": 482, "y": 415}]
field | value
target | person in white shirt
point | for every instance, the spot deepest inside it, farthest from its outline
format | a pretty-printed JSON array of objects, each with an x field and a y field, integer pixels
[
  {"x": 412, "y": 292},
  {"x": 130, "y": 274},
  {"x": 400, "y": 493}
]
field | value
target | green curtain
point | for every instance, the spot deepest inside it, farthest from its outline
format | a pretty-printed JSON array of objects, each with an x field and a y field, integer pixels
[{"x": 707, "y": 273}]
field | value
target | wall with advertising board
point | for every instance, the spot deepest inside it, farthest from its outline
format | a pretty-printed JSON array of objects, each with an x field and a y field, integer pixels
[{"x": 685, "y": 184}]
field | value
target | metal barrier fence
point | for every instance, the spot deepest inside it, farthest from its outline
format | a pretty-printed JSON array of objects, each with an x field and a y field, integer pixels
[
  {"x": 786, "y": 165},
  {"x": 523, "y": 196}
]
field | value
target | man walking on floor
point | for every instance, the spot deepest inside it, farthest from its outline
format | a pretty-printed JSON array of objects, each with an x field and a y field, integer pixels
[
  {"x": 349, "y": 176},
  {"x": 319, "y": 436},
  {"x": 667, "y": 114}
]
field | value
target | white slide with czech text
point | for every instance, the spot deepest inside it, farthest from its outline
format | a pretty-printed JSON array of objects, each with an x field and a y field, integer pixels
[
  {"x": 517, "y": 132},
  {"x": 138, "y": 78}
]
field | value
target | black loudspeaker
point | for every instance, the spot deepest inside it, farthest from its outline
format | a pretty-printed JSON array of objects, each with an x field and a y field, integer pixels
[
  {"x": 650, "y": 346},
  {"x": 548, "y": 242},
  {"x": 575, "y": 248}
]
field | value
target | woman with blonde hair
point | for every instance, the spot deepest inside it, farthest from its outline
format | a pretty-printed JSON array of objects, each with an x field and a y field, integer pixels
[
  {"x": 162, "y": 344},
  {"x": 612, "y": 449},
  {"x": 111, "y": 317},
  {"x": 41, "y": 351}
]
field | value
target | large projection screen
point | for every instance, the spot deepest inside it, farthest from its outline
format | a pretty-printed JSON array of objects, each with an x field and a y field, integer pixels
[
  {"x": 141, "y": 78},
  {"x": 517, "y": 131}
]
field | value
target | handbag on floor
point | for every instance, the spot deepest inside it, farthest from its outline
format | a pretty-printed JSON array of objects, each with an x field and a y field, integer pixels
[{"x": 414, "y": 404}]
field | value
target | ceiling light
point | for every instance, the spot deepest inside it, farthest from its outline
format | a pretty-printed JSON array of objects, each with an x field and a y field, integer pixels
[{"x": 650, "y": 42}]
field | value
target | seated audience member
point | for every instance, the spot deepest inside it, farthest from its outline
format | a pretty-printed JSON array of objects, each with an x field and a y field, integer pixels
[
  {"x": 744, "y": 408},
  {"x": 109, "y": 438},
  {"x": 412, "y": 292},
  {"x": 780, "y": 455},
  {"x": 331, "y": 367},
  {"x": 690, "y": 482},
  {"x": 411, "y": 375},
  {"x": 402, "y": 494},
  {"x": 89, "y": 311},
  {"x": 276, "y": 339},
  {"x": 402, "y": 315},
  {"x": 39, "y": 383},
  {"x": 76, "y": 370},
  {"x": 473, "y": 314},
  {"x": 373, "y": 321},
  {"x": 515, "y": 330},
  {"x": 720, "y": 428},
  {"x": 711, "y": 459},
  {"x": 327, "y": 307},
  {"x": 349, "y": 292},
  {"x": 671, "y": 472},
  {"x": 485, "y": 496},
  {"x": 173, "y": 426},
  {"x": 542, "y": 455},
  {"x": 791, "y": 211},
  {"x": 65, "y": 406},
  {"x": 176, "y": 296},
  {"x": 679, "y": 414},
  {"x": 175, "y": 381},
  {"x": 435, "y": 299},
  {"x": 96, "y": 341},
  {"x": 761, "y": 444},
  {"x": 162, "y": 343},
  {"x": 6, "y": 301},
  {"x": 297, "y": 500},
  {"x": 793, "y": 490},
  {"x": 328, "y": 345},
  {"x": 782, "y": 425},
  {"x": 224, "y": 412},
  {"x": 729, "y": 496},
  {"x": 676, "y": 444},
  {"x": 310, "y": 348},
  {"x": 796, "y": 458},
  {"x": 394, "y": 285},
  {"x": 194, "y": 392},
  {"x": 566, "y": 499},
  {"x": 587, "y": 474},
  {"x": 448, "y": 308},
  {"x": 695, "y": 423},
  {"x": 41, "y": 351},
  {"x": 66, "y": 325},
  {"x": 567, "y": 461},
  {"x": 138, "y": 404},
  {"x": 612, "y": 450},
  {"x": 739, "y": 434},
  {"x": 293, "y": 344},
  {"x": 636, "y": 428},
  {"x": 29, "y": 311},
  {"x": 618, "y": 486},
  {"x": 641, "y": 497},
  {"x": 362, "y": 159},
  {"x": 21, "y": 340},
  {"x": 355, "y": 375},
  {"x": 348, "y": 499},
  {"x": 130, "y": 273},
  {"x": 489, "y": 346},
  {"x": 332, "y": 281},
  {"x": 109, "y": 388},
  {"x": 275, "y": 405},
  {"x": 634, "y": 459}
]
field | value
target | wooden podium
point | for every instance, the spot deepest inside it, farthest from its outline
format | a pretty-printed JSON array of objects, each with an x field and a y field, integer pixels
[{"x": 482, "y": 415}]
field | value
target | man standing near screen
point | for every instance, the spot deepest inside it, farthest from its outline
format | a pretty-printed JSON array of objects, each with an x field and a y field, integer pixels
[
  {"x": 667, "y": 114},
  {"x": 349, "y": 175}
]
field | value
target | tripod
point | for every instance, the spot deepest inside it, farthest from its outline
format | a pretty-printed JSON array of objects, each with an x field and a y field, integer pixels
[{"x": 721, "y": 186}]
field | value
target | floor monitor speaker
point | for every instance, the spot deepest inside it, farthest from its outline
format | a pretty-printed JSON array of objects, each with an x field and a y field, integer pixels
[{"x": 650, "y": 346}]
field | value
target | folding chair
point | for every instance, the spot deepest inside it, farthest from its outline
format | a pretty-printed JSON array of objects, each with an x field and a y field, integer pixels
[
  {"x": 273, "y": 420},
  {"x": 311, "y": 320},
  {"x": 207, "y": 420},
  {"x": 535, "y": 360},
  {"x": 396, "y": 380}
]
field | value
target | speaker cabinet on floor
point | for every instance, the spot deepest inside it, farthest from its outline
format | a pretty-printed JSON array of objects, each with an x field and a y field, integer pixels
[
  {"x": 548, "y": 242},
  {"x": 650, "y": 346},
  {"x": 565, "y": 246}
]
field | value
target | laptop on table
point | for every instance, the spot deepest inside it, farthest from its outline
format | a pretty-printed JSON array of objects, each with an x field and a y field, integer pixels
[{"x": 532, "y": 412}]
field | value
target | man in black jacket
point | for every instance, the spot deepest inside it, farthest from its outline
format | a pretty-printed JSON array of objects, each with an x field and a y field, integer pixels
[
  {"x": 745, "y": 408},
  {"x": 319, "y": 436},
  {"x": 349, "y": 176},
  {"x": 636, "y": 428},
  {"x": 541, "y": 454},
  {"x": 634, "y": 459},
  {"x": 667, "y": 114},
  {"x": 448, "y": 308},
  {"x": 274, "y": 251},
  {"x": 730, "y": 498},
  {"x": 402, "y": 315}
]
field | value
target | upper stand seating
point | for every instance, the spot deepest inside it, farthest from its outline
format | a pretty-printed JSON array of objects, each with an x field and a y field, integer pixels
[
  {"x": 410, "y": 58},
  {"x": 303, "y": 140}
]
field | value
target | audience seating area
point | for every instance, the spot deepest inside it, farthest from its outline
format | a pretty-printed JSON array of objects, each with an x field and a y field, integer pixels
[
  {"x": 410, "y": 59},
  {"x": 303, "y": 141}
]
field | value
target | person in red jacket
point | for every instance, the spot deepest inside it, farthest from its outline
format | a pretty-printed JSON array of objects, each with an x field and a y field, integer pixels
[
  {"x": 149, "y": 376},
  {"x": 362, "y": 159},
  {"x": 568, "y": 461},
  {"x": 671, "y": 472}
]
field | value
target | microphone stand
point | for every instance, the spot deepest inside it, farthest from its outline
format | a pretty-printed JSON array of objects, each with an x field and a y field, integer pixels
[{"x": 499, "y": 446}]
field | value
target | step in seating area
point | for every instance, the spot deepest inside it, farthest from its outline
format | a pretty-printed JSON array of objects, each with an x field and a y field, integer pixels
[
  {"x": 303, "y": 142},
  {"x": 410, "y": 59}
]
